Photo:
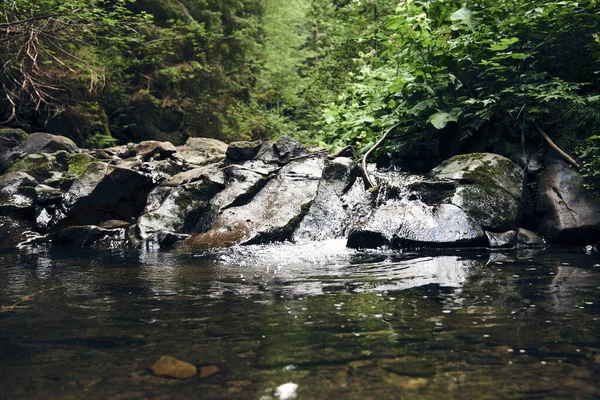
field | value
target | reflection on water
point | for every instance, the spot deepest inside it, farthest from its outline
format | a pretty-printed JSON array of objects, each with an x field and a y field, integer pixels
[{"x": 335, "y": 322}]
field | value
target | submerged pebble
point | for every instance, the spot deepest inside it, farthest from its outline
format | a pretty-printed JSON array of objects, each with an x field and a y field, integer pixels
[{"x": 170, "y": 366}]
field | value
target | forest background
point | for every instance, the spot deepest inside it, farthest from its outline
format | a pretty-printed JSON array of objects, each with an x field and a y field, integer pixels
[{"x": 326, "y": 72}]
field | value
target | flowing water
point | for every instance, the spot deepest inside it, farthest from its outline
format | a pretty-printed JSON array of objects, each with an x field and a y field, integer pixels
[{"x": 85, "y": 324}]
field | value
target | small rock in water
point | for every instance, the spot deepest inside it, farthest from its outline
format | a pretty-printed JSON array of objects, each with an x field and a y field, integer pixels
[
  {"x": 170, "y": 366},
  {"x": 208, "y": 370},
  {"x": 286, "y": 391}
]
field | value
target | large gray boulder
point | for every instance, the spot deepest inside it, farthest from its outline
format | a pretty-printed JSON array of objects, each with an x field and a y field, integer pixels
[
  {"x": 453, "y": 206},
  {"x": 490, "y": 188},
  {"x": 567, "y": 212},
  {"x": 337, "y": 205},
  {"x": 180, "y": 203},
  {"x": 103, "y": 192},
  {"x": 42, "y": 142},
  {"x": 202, "y": 151},
  {"x": 272, "y": 214},
  {"x": 17, "y": 193}
]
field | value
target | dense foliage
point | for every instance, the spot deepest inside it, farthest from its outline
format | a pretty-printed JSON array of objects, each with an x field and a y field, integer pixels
[{"x": 335, "y": 71}]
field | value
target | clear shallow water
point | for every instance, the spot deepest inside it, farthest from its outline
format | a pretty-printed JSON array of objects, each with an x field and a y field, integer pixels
[{"x": 339, "y": 323}]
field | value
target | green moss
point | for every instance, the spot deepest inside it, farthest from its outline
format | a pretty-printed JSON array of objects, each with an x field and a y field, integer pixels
[
  {"x": 35, "y": 165},
  {"x": 26, "y": 190},
  {"x": 78, "y": 163}
]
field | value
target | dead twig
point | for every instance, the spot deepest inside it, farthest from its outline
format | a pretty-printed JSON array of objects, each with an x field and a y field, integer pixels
[
  {"x": 27, "y": 298},
  {"x": 368, "y": 180},
  {"x": 567, "y": 157}
]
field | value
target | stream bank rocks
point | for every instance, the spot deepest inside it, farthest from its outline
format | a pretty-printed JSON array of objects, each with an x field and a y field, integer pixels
[{"x": 207, "y": 194}]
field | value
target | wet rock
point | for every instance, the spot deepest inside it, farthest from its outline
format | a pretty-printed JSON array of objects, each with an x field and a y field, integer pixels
[
  {"x": 178, "y": 209},
  {"x": 13, "y": 231},
  {"x": 489, "y": 191},
  {"x": 502, "y": 239},
  {"x": 270, "y": 216},
  {"x": 528, "y": 238},
  {"x": 154, "y": 148},
  {"x": 244, "y": 181},
  {"x": 92, "y": 236},
  {"x": 158, "y": 170},
  {"x": 410, "y": 223},
  {"x": 174, "y": 368},
  {"x": 46, "y": 143},
  {"x": 331, "y": 214},
  {"x": 168, "y": 239},
  {"x": 567, "y": 213},
  {"x": 242, "y": 151},
  {"x": 17, "y": 193},
  {"x": 46, "y": 195},
  {"x": 202, "y": 151},
  {"x": 102, "y": 193}
]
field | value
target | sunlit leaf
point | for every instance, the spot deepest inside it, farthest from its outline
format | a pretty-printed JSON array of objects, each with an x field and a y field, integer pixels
[{"x": 440, "y": 119}]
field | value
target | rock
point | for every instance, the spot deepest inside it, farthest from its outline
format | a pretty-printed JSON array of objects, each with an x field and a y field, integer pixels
[
  {"x": 78, "y": 163},
  {"x": 168, "y": 239},
  {"x": 244, "y": 181},
  {"x": 502, "y": 239},
  {"x": 178, "y": 209},
  {"x": 331, "y": 214},
  {"x": 528, "y": 238},
  {"x": 118, "y": 152},
  {"x": 114, "y": 224},
  {"x": 46, "y": 143},
  {"x": 202, "y": 151},
  {"x": 208, "y": 370},
  {"x": 14, "y": 135},
  {"x": 567, "y": 212},
  {"x": 281, "y": 152},
  {"x": 17, "y": 193},
  {"x": 154, "y": 148},
  {"x": 270, "y": 216},
  {"x": 92, "y": 236},
  {"x": 174, "y": 368},
  {"x": 40, "y": 166},
  {"x": 159, "y": 170},
  {"x": 10, "y": 139},
  {"x": 489, "y": 191},
  {"x": 409, "y": 223},
  {"x": 46, "y": 195},
  {"x": 209, "y": 173},
  {"x": 286, "y": 148},
  {"x": 13, "y": 231},
  {"x": 103, "y": 192},
  {"x": 242, "y": 151}
]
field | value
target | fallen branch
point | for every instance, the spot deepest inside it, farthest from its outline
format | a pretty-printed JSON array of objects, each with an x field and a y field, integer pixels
[
  {"x": 567, "y": 157},
  {"x": 366, "y": 175},
  {"x": 27, "y": 298}
]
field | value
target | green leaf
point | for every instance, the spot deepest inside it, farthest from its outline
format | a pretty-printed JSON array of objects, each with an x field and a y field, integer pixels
[
  {"x": 504, "y": 43},
  {"x": 440, "y": 119}
]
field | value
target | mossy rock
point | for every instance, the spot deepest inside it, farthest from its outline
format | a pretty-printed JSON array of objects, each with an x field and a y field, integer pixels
[
  {"x": 40, "y": 166},
  {"x": 78, "y": 163},
  {"x": 13, "y": 134},
  {"x": 489, "y": 188}
]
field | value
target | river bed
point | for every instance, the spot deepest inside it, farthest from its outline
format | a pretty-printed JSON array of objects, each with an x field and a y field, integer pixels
[{"x": 338, "y": 323}]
